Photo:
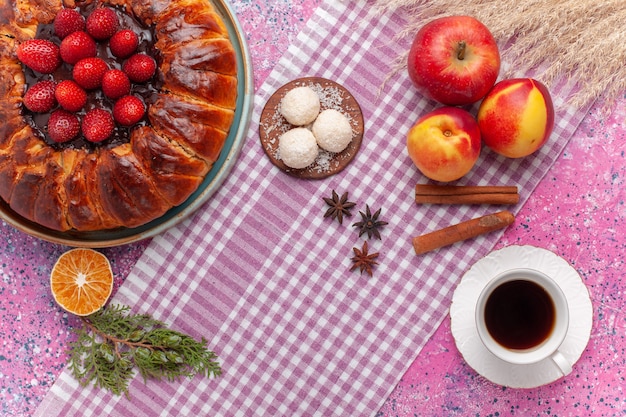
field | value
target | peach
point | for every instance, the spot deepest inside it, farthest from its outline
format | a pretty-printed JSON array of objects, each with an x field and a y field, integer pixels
[
  {"x": 516, "y": 117},
  {"x": 444, "y": 144}
]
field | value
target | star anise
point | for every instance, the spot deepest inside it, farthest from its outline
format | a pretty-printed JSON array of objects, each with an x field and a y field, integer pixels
[
  {"x": 370, "y": 223},
  {"x": 363, "y": 260},
  {"x": 339, "y": 206}
]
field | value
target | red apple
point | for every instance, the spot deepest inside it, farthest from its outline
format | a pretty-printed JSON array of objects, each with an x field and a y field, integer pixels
[
  {"x": 517, "y": 117},
  {"x": 445, "y": 143},
  {"x": 454, "y": 60}
]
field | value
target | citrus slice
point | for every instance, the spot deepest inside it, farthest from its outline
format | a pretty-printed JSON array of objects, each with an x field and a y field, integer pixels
[{"x": 81, "y": 281}]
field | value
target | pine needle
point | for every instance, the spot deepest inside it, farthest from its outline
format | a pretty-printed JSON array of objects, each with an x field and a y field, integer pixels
[
  {"x": 571, "y": 41},
  {"x": 112, "y": 343}
]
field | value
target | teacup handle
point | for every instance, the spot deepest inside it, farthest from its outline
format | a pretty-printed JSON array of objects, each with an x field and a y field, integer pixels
[{"x": 562, "y": 363}]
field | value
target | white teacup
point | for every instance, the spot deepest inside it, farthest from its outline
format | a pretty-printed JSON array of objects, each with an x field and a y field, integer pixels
[{"x": 522, "y": 318}]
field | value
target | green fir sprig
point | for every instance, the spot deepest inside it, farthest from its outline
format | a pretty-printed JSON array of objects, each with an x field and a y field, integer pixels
[{"x": 112, "y": 342}]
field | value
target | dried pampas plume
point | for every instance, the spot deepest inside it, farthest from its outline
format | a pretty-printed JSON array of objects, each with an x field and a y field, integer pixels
[{"x": 574, "y": 41}]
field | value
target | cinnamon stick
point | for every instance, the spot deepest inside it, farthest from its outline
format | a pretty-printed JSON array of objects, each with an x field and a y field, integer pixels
[
  {"x": 466, "y": 194},
  {"x": 462, "y": 231}
]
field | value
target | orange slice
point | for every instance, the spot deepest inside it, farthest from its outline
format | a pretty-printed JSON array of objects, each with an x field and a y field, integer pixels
[{"x": 81, "y": 281}]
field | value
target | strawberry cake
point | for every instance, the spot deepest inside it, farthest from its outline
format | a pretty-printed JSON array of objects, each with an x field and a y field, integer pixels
[{"x": 112, "y": 112}]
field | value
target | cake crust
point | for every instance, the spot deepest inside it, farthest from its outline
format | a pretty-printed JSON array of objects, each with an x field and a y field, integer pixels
[{"x": 163, "y": 161}]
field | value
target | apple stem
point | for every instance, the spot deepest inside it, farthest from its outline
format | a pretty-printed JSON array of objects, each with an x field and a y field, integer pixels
[{"x": 460, "y": 50}]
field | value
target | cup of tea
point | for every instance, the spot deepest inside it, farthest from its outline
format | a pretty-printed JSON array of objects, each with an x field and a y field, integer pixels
[{"x": 522, "y": 317}]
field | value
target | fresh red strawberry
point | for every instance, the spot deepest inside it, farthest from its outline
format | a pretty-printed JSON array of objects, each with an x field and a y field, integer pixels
[
  {"x": 68, "y": 21},
  {"x": 128, "y": 110},
  {"x": 124, "y": 43},
  {"x": 115, "y": 84},
  {"x": 102, "y": 23},
  {"x": 88, "y": 72},
  {"x": 97, "y": 125},
  {"x": 70, "y": 95},
  {"x": 139, "y": 68},
  {"x": 40, "y": 97},
  {"x": 63, "y": 126},
  {"x": 40, "y": 55},
  {"x": 76, "y": 46}
]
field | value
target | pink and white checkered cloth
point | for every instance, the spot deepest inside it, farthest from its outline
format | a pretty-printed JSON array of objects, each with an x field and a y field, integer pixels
[{"x": 265, "y": 278}]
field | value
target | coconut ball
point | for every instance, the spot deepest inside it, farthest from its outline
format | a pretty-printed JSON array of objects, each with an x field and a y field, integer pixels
[
  {"x": 332, "y": 130},
  {"x": 300, "y": 106},
  {"x": 297, "y": 148}
]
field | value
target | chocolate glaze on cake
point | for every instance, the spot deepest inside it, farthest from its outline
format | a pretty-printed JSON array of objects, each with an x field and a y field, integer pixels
[
  {"x": 140, "y": 173},
  {"x": 96, "y": 99}
]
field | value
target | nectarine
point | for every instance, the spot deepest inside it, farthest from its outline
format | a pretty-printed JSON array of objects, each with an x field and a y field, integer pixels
[
  {"x": 516, "y": 117},
  {"x": 445, "y": 143}
]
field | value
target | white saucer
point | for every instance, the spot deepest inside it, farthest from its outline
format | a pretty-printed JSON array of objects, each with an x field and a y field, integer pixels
[{"x": 464, "y": 302}]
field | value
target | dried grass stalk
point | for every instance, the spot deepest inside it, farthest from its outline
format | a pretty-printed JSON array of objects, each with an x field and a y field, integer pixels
[{"x": 579, "y": 41}]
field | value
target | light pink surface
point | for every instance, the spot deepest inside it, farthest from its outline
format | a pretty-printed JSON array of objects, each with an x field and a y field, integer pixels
[{"x": 577, "y": 211}]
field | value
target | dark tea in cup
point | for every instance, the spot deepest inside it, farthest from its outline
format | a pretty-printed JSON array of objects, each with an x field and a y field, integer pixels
[
  {"x": 522, "y": 317},
  {"x": 519, "y": 314}
]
